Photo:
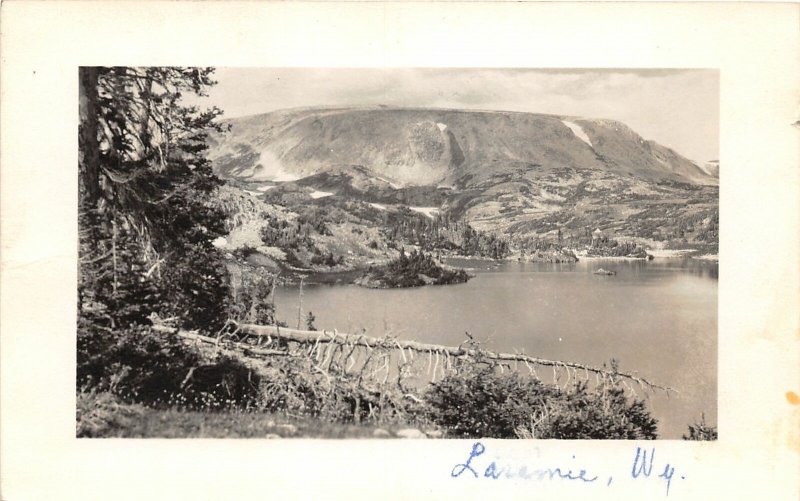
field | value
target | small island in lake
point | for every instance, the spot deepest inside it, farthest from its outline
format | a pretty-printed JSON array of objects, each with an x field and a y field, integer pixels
[
  {"x": 602, "y": 271},
  {"x": 412, "y": 270}
]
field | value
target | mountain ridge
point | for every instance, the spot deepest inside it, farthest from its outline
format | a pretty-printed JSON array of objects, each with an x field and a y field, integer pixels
[
  {"x": 517, "y": 174},
  {"x": 425, "y": 146}
]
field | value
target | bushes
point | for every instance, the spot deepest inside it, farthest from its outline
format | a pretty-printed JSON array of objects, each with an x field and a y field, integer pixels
[
  {"x": 606, "y": 413},
  {"x": 327, "y": 259},
  {"x": 118, "y": 370},
  {"x": 480, "y": 403},
  {"x": 253, "y": 302},
  {"x": 222, "y": 384},
  {"x": 159, "y": 370},
  {"x": 298, "y": 387},
  {"x": 701, "y": 431}
]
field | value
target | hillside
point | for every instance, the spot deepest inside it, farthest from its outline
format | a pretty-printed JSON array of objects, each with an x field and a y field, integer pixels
[
  {"x": 433, "y": 146},
  {"x": 521, "y": 175}
]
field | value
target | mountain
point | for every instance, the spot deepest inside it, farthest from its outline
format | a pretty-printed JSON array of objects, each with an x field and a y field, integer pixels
[
  {"x": 712, "y": 168},
  {"x": 516, "y": 174},
  {"x": 455, "y": 148}
]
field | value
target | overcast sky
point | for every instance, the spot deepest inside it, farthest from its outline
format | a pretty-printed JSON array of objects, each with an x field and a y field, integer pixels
[{"x": 677, "y": 108}]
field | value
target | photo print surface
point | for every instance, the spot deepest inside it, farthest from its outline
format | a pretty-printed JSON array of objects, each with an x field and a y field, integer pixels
[{"x": 398, "y": 253}]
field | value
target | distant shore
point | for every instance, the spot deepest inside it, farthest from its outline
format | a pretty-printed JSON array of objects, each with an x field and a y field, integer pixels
[
  {"x": 682, "y": 253},
  {"x": 707, "y": 257},
  {"x": 671, "y": 253}
]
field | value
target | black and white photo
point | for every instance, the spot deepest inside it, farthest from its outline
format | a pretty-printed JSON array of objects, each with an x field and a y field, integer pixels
[{"x": 398, "y": 253}]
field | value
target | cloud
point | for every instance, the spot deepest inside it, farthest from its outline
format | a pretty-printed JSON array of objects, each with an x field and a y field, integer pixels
[{"x": 676, "y": 107}]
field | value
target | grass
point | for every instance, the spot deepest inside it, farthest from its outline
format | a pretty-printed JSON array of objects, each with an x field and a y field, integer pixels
[{"x": 103, "y": 416}]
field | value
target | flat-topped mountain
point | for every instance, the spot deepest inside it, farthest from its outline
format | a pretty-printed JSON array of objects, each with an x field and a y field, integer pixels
[
  {"x": 438, "y": 147},
  {"x": 520, "y": 175}
]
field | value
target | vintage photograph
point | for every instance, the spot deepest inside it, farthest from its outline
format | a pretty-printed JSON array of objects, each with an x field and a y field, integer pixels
[{"x": 398, "y": 253}]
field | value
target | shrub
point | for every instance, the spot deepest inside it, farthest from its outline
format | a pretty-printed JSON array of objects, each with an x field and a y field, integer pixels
[
  {"x": 244, "y": 252},
  {"x": 253, "y": 302},
  {"x": 310, "y": 319},
  {"x": 605, "y": 413},
  {"x": 327, "y": 259},
  {"x": 701, "y": 431},
  {"x": 225, "y": 383},
  {"x": 140, "y": 365},
  {"x": 297, "y": 386},
  {"x": 480, "y": 403}
]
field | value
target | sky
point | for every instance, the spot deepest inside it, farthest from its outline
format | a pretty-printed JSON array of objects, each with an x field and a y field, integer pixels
[{"x": 677, "y": 108}]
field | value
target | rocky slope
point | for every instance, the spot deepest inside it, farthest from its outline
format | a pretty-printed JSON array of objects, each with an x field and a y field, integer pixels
[
  {"x": 435, "y": 146},
  {"x": 518, "y": 174}
]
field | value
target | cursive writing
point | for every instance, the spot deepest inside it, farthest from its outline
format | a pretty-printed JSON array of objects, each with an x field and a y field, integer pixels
[
  {"x": 476, "y": 465},
  {"x": 643, "y": 467},
  {"x": 495, "y": 472}
]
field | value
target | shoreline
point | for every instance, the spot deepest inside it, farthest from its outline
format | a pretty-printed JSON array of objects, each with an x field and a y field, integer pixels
[
  {"x": 612, "y": 258},
  {"x": 671, "y": 253},
  {"x": 707, "y": 257}
]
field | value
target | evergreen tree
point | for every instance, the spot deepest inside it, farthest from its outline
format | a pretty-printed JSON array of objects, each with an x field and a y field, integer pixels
[
  {"x": 310, "y": 319},
  {"x": 146, "y": 225}
]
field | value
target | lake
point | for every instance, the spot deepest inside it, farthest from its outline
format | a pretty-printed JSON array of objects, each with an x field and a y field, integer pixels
[{"x": 657, "y": 318}]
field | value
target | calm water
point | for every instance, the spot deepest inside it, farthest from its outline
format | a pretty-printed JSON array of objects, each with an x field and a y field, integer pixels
[{"x": 658, "y": 318}]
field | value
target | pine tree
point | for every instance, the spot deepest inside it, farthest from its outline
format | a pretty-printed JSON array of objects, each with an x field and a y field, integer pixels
[
  {"x": 144, "y": 189},
  {"x": 310, "y": 319}
]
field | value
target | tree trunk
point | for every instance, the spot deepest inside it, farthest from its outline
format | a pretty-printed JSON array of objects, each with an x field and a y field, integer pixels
[
  {"x": 89, "y": 146},
  {"x": 319, "y": 337}
]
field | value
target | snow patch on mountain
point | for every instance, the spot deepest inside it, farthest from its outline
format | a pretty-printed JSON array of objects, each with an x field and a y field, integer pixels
[
  {"x": 578, "y": 131},
  {"x": 320, "y": 194},
  {"x": 428, "y": 211},
  {"x": 269, "y": 168}
]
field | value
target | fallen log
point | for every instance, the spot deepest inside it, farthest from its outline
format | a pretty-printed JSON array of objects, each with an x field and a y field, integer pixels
[
  {"x": 210, "y": 340},
  {"x": 324, "y": 336}
]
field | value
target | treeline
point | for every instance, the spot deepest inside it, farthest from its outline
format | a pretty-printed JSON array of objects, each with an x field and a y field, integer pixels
[
  {"x": 295, "y": 238},
  {"x": 608, "y": 247},
  {"x": 669, "y": 222},
  {"x": 533, "y": 248},
  {"x": 597, "y": 246},
  {"x": 703, "y": 226},
  {"x": 443, "y": 233},
  {"x": 407, "y": 227},
  {"x": 399, "y": 228}
]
